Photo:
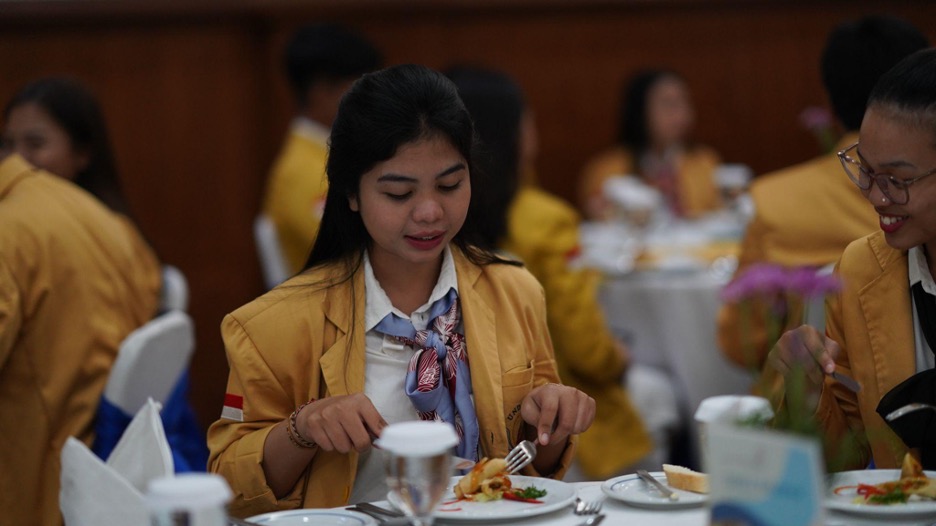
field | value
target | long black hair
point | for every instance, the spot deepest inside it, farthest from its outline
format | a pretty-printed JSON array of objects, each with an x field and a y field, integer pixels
[
  {"x": 73, "y": 107},
  {"x": 381, "y": 112},
  {"x": 496, "y": 105},
  {"x": 910, "y": 89},
  {"x": 634, "y": 129}
]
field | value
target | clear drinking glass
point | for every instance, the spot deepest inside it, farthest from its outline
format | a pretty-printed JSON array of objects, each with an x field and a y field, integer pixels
[
  {"x": 419, "y": 483},
  {"x": 419, "y": 466}
]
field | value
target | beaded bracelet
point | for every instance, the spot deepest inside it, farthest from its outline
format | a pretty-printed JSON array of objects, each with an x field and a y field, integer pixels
[{"x": 293, "y": 432}]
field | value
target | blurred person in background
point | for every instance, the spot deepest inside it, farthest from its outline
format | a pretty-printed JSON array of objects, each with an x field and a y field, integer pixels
[
  {"x": 653, "y": 144},
  {"x": 806, "y": 215},
  {"x": 75, "y": 279},
  {"x": 541, "y": 230},
  {"x": 321, "y": 62}
]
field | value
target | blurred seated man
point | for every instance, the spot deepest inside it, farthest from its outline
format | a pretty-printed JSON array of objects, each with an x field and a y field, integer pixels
[
  {"x": 654, "y": 145},
  {"x": 74, "y": 282},
  {"x": 322, "y": 61},
  {"x": 542, "y": 231},
  {"x": 807, "y": 214}
]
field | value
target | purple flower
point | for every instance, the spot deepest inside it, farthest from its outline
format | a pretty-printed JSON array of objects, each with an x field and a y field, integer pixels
[
  {"x": 815, "y": 118},
  {"x": 769, "y": 280}
]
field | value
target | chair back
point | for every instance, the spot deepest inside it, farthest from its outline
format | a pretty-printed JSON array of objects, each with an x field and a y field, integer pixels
[
  {"x": 814, "y": 309},
  {"x": 151, "y": 361},
  {"x": 272, "y": 263},
  {"x": 175, "y": 291}
]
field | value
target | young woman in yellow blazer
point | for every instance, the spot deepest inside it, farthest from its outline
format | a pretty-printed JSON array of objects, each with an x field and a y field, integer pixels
[
  {"x": 319, "y": 365},
  {"x": 875, "y": 330},
  {"x": 656, "y": 119}
]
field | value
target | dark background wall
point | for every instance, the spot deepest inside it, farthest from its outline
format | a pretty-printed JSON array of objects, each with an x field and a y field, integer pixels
[{"x": 197, "y": 105}]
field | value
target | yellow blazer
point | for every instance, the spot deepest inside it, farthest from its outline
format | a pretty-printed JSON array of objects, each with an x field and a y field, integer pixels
[
  {"x": 296, "y": 193},
  {"x": 305, "y": 340},
  {"x": 543, "y": 233},
  {"x": 804, "y": 216},
  {"x": 75, "y": 280},
  {"x": 873, "y": 323},
  {"x": 698, "y": 191}
]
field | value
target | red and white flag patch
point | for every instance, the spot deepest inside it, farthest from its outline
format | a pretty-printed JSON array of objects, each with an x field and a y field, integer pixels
[{"x": 233, "y": 407}]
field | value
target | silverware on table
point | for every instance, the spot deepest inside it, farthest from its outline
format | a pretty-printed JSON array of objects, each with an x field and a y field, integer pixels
[
  {"x": 594, "y": 520},
  {"x": 909, "y": 408},
  {"x": 383, "y": 517},
  {"x": 584, "y": 507},
  {"x": 650, "y": 479},
  {"x": 377, "y": 509},
  {"x": 520, "y": 456},
  {"x": 848, "y": 382}
]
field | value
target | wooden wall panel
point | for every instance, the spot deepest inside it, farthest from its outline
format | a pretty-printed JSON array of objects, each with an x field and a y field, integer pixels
[{"x": 197, "y": 105}]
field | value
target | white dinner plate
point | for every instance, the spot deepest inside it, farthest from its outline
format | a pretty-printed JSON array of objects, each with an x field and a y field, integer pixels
[
  {"x": 558, "y": 495},
  {"x": 843, "y": 501},
  {"x": 317, "y": 517},
  {"x": 635, "y": 492}
]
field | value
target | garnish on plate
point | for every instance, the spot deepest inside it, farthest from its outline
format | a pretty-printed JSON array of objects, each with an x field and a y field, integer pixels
[
  {"x": 913, "y": 485},
  {"x": 488, "y": 480}
]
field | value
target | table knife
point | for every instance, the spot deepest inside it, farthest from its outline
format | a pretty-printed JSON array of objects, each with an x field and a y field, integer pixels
[{"x": 650, "y": 479}]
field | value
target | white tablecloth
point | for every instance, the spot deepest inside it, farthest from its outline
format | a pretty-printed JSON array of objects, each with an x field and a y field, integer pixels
[{"x": 618, "y": 513}]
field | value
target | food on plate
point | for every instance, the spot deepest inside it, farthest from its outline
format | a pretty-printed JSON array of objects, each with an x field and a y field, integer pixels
[
  {"x": 913, "y": 485},
  {"x": 686, "y": 479},
  {"x": 488, "y": 480}
]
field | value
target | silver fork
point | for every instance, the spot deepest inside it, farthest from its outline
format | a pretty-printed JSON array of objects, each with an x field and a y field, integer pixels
[
  {"x": 909, "y": 408},
  {"x": 520, "y": 456},
  {"x": 584, "y": 507}
]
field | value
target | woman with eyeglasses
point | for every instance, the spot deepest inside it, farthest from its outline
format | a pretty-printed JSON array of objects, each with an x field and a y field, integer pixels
[{"x": 881, "y": 328}]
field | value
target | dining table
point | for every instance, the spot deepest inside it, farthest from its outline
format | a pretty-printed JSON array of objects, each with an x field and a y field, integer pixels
[
  {"x": 660, "y": 295},
  {"x": 620, "y": 513}
]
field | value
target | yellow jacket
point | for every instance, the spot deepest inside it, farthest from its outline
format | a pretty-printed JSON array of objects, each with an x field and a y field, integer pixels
[
  {"x": 75, "y": 279},
  {"x": 872, "y": 322},
  {"x": 296, "y": 191},
  {"x": 698, "y": 192},
  {"x": 543, "y": 232},
  {"x": 804, "y": 215},
  {"x": 305, "y": 340}
]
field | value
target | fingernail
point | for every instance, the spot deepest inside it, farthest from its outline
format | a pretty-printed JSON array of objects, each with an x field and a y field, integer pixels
[
  {"x": 830, "y": 368},
  {"x": 544, "y": 439}
]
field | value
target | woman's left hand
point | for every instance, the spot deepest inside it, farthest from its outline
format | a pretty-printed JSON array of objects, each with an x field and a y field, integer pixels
[{"x": 557, "y": 411}]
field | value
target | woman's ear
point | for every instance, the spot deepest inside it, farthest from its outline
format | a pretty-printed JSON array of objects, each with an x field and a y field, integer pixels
[{"x": 353, "y": 203}]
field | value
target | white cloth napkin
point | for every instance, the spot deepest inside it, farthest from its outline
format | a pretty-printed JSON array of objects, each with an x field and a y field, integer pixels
[{"x": 95, "y": 493}]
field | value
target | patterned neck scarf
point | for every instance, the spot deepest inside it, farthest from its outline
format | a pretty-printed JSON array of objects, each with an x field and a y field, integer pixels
[{"x": 438, "y": 380}]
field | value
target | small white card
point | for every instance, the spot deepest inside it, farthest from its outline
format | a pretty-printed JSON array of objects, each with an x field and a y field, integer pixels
[{"x": 764, "y": 477}]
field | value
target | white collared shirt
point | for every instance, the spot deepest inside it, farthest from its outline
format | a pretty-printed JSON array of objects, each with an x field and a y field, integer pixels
[
  {"x": 385, "y": 371},
  {"x": 919, "y": 273}
]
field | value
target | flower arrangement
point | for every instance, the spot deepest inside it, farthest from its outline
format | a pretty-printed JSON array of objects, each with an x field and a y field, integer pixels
[
  {"x": 819, "y": 122},
  {"x": 779, "y": 294}
]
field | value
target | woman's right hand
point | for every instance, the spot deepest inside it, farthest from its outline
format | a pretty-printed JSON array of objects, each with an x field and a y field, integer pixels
[
  {"x": 807, "y": 350},
  {"x": 341, "y": 423}
]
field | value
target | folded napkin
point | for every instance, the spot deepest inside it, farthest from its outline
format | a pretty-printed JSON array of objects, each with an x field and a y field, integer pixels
[
  {"x": 917, "y": 429},
  {"x": 95, "y": 493}
]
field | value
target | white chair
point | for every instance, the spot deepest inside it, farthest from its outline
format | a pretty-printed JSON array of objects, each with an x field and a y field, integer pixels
[
  {"x": 272, "y": 262},
  {"x": 814, "y": 310},
  {"x": 150, "y": 361},
  {"x": 175, "y": 291}
]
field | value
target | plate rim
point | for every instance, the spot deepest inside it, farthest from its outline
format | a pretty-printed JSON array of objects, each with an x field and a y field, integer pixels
[
  {"x": 519, "y": 514},
  {"x": 929, "y": 510},
  {"x": 701, "y": 499},
  {"x": 263, "y": 518}
]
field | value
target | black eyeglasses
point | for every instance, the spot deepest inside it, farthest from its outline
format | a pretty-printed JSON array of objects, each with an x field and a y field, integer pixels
[{"x": 896, "y": 190}]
